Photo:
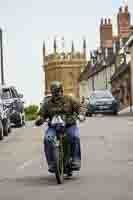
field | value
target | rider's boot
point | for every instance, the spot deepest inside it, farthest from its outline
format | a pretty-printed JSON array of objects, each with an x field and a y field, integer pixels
[
  {"x": 76, "y": 165},
  {"x": 51, "y": 168}
]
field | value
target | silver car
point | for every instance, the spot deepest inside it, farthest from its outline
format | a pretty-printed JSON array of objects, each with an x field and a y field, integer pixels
[
  {"x": 13, "y": 100},
  {"x": 102, "y": 101}
]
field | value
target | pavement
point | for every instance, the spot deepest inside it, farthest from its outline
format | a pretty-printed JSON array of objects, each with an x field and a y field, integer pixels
[
  {"x": 127, "y": 111},
  {"x": 107, "y": 164}
]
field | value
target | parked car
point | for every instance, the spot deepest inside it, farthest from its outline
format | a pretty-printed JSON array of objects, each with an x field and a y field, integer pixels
[
  {"x": 5, "y": 125},
  {"x": 13, "y": 100},
  {"x": 102, "y": 101}
]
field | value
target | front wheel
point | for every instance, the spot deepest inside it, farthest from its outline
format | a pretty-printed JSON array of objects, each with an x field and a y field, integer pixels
[
  {"x": 1, "y": 131},
  {"x": 59, "y": 164},
  {"x": 5, "y": 127}
]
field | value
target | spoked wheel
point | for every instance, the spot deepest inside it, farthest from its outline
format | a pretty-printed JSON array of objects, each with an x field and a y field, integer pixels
[
  {"x": 67, "y": 157},
  {"x": 59, "y": 165}
]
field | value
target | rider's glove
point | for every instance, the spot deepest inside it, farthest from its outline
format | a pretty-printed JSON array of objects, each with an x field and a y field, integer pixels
[
  {"x": 39, "y": 121},
  {"x": 81, "y": 117}
]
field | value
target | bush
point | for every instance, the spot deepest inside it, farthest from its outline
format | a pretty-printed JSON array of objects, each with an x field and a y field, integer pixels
[{"x": 31, "y": 112}]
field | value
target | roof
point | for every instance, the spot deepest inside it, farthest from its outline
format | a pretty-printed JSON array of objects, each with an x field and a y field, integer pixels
[
  {"x": 6, "y": 86},
  {"x": 90, "y": 71},
  {"x": 99, "y": 67},
  {"x": 130, "y": 41},
  {"x": 120, "y": 70}
]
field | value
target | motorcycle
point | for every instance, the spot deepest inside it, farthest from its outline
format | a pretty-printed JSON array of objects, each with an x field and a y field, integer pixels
[{"x": 62, "y": 147}]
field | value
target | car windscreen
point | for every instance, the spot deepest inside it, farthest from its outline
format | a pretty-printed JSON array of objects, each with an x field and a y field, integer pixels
[
  {"x": 6, "y": 94},
  {"x": 101, "y": 95}
]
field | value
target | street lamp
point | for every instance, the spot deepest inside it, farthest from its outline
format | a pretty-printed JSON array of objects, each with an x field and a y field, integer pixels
[{"x": 1, "y": 56}]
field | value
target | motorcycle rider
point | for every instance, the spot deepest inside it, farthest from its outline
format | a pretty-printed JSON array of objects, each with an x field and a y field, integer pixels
[{"x": 69, "y": 108}]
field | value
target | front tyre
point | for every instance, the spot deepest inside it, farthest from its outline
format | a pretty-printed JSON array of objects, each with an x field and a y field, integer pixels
[
  {"x": 59, "y": 164},
  {"x": 9, "y": 129},
  {"x": 5, "y": 127},
  {"x": 1, "y": 131},
  {"x": 90, "y": 114}
]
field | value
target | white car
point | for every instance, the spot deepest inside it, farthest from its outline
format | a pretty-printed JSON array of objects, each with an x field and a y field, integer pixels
[{"x": 13, "y": 100}]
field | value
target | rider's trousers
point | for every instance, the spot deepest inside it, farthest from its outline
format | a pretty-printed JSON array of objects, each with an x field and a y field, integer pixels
[{"x": 74, "y": 138}]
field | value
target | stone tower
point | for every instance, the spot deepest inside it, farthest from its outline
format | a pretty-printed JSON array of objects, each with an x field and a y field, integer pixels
[
  {"x": 106, "y": 34},
  {"x": 64, "y": 67},
  {"x": 123, "y": 22}
]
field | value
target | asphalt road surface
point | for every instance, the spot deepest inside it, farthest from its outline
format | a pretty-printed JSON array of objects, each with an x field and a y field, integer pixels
[{"x": 107, "y": 164}]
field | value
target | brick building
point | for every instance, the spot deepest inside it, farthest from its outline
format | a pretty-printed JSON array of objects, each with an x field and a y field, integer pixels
[
  {"x": 101, "y": 66},
  {"x": 106, "y": 70},
  {"x": 121, "y": 79}
]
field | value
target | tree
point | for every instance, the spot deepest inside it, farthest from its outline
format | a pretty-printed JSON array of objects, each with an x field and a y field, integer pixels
[{"x": 31, "y": 112}]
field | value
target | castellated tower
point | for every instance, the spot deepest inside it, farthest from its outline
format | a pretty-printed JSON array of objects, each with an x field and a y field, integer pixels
[
  {"x": 106, "y": 34},
  {"x": 64, "y": 67},
  {"x": 123, "y": 22}
]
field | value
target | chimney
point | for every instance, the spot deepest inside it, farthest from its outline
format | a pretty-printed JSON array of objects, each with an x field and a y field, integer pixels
[
  {"x": 123, "y": 22},
  {"x": 126, "y": 9},
  {"x": 120, "y": 10},
  {"x": 106, "y": 34}
]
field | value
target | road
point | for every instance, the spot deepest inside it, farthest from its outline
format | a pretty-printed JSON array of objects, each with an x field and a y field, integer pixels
[{"x": 107, "y": 164}]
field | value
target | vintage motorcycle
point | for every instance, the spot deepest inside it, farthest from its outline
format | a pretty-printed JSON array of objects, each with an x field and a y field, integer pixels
[{"x": 62, "y": 147}]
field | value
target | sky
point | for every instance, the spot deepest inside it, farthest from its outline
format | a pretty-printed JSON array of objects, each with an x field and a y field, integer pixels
[{"x": 27, "y": 23}]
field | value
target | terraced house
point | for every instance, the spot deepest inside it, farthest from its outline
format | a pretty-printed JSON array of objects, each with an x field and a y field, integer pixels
[{"x": 110, "y": 66}]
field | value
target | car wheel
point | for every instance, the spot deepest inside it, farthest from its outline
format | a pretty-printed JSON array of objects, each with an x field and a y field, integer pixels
[
  {"x": 90, "y": 114},
  {"x": 115, "y": 113},
  {"x": 1, "y": 131},
  {"x": 20, "y": 124},
  {"x": 86, "y": 114},
  {"x": 5, "y": 127},
  {"x": 23, "y": 119},
  {"x": 9, "y": 129}
]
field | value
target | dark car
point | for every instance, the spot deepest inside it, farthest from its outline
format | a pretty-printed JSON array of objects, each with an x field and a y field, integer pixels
[
  {"x": 102, "y": 101},
  {"x": 13, "y": 100}
]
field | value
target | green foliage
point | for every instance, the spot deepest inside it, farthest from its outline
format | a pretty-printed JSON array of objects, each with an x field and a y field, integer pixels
[{"x": 31, "y": 112}]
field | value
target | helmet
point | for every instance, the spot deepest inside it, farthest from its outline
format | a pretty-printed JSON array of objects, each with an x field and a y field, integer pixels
[{"x": 56, "y": 88}]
